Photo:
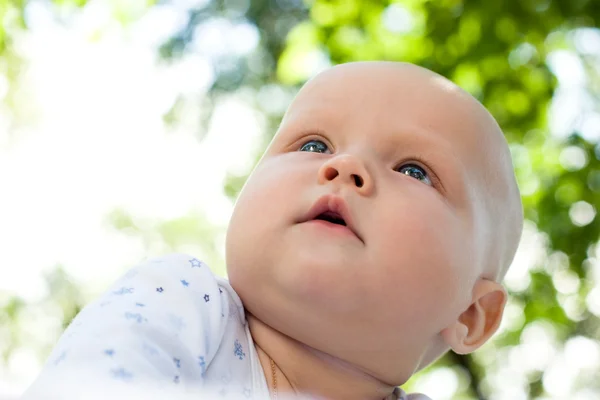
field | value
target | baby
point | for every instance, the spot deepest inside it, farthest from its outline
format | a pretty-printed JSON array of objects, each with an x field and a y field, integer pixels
[{"x": 371, "y": 238}]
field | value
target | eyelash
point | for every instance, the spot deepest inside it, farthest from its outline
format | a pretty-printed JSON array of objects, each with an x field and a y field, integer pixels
[
  {"x": 316, "y": 135},
  {"x": 416, "y": 161}
]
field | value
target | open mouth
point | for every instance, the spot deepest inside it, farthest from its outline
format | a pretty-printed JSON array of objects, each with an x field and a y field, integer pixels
[
  {"x": 332, "y": 217},
  {"x": 334, "y": 211}
]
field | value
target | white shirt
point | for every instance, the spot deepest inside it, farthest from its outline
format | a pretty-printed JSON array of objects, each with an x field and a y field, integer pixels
[{"x": 167, "y": 329}]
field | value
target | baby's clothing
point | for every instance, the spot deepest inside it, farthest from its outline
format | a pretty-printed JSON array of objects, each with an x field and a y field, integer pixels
[{"x": 168, "y": 327}]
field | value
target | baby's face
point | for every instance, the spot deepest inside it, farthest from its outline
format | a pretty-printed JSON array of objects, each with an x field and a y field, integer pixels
[{"x": 402, "y": 155}]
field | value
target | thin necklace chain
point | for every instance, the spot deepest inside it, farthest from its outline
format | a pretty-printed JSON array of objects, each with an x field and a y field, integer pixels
[
  {"x": 274, "y": 374},
  {"x": 274, "y": 379}
]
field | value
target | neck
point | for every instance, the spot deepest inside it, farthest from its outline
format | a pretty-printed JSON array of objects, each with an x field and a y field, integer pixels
[{"x": 303, "y": 370}]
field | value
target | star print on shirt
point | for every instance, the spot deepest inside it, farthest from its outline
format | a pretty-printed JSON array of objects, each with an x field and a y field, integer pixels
[
  {"x": 226, "y": 378},
  {"x": 195, "y": 263},
  {"x": 60, "y": 358},
  {"x": 202, "y": 364},
  {"x": 159, "y": 328},
  {"x": 123, "y": 291},
  {"x": 139, "y": 318},
  {"x": 121, "y": 373},
  {"x": 238, "y": 351}
]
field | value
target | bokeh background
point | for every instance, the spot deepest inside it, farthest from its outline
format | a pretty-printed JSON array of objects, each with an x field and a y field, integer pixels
[{"x": 127, "y": 128}]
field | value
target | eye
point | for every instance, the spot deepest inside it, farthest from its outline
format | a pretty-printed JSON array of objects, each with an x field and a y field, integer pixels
[
  {"x": 314, "y": 146},
  {"x": 416, "y": 172}
]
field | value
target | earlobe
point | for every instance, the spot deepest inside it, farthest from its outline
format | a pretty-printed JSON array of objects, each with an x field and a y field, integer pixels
[{"x": 480, "y": 321}]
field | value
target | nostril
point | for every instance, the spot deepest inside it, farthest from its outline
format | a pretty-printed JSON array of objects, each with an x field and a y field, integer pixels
[
  {"x": 331, "y": 174},
  {"x": 358, "y": 181}
]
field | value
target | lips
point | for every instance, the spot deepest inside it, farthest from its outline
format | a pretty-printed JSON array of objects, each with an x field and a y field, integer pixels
[{"x": 334, "y": 210}]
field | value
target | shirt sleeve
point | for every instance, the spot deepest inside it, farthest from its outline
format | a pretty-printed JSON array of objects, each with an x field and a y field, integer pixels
[{"x": 156, "y": 329}]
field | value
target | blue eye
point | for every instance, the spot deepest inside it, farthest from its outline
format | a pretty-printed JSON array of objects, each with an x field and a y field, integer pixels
[
  {"x": 314, "y": 146},
  {"x": 416, "y": 172}
]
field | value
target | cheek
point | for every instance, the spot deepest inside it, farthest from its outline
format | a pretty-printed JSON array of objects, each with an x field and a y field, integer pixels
[
  {"x": 420, "y": 228},
  {"x": 255, "y": 203},
  {"x": 265, "y": 194},
  {"x": 423, "y": 253},
  {"x": 262, "y": 209}
]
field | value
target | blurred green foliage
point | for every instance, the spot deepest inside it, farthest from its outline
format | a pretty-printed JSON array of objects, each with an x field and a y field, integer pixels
[{"x": 498, "y": 51}]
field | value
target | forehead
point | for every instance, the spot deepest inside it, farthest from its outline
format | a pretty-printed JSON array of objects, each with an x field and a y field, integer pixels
[{"x": 387, "y": 99}]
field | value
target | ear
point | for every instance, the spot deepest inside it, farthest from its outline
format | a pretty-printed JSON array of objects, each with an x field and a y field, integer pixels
[{"x": 480, "y": 321}]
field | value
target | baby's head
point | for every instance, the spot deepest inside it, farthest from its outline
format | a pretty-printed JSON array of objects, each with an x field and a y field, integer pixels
[{"x": 422, "y": 176}]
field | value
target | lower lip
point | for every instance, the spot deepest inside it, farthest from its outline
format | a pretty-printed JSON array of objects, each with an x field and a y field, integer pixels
[{"x": 334, "y": 228}]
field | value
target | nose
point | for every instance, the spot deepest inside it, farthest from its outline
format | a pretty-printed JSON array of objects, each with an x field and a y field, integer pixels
[{"x": 347, "y": 170}]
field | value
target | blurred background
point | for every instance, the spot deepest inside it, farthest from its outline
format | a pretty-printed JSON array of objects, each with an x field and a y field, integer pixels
[{"x": 127, "y": 128}]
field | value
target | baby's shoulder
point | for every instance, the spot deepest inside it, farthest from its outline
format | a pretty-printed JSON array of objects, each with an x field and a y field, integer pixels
[
  {"x": 175, "y": 271},
  {"x": 173, "y": 284},
  {"x": 179, "y": 279},
  {"x": 171, "y": 263},
  {"x": 163, "y": 322}
]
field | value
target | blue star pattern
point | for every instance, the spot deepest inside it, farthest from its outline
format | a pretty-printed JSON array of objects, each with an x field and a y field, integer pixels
[
  {"x": 121, "y": 374},
  {"x": 123, "y": 291},
  {"x": 136, "y": 317},
  {"x": 226, "y": 378},
  {"x": 195, "y": 263},
  {"x": 60, "y": 358},
  {"x": 238, "y": 350},
  {"x": 149, "y": 333},
  {"x": 202, "y": 364}
]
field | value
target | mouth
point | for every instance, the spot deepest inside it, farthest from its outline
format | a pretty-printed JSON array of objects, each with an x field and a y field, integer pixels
[
  {"x": 333, "y": 211},
  {"x": 331, "y": 217}
]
